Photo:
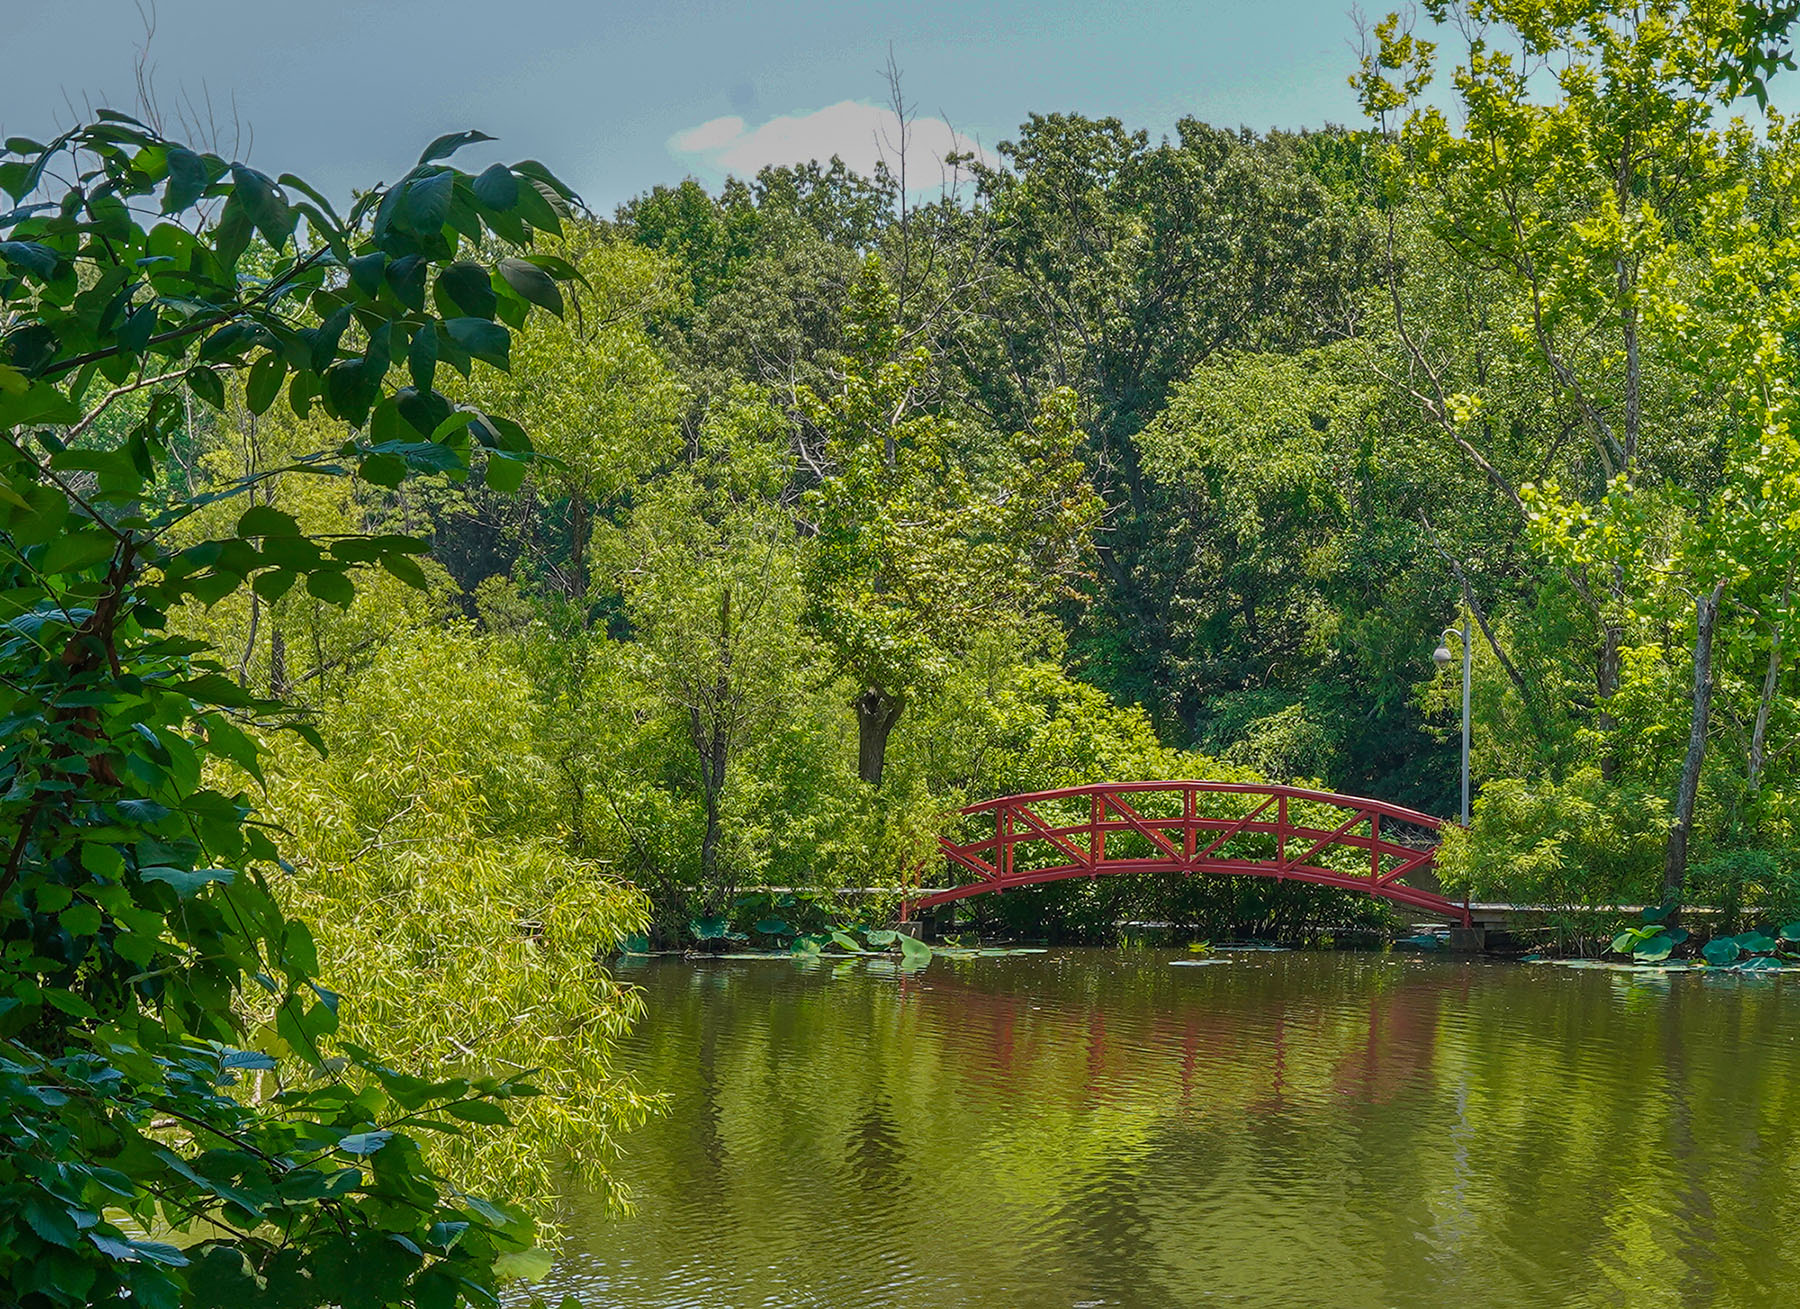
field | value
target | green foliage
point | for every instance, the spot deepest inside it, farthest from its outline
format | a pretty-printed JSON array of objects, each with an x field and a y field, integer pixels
[
  {"x": 926, "y": 532},
  {"x": 161, "y": 1146},
  {"x": 426, "y": 856},
  {"x": 1580, "y": 842}
]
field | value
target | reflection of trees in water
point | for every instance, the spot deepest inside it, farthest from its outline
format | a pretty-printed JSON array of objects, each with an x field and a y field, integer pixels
[
  {"x": 1230, "y": 1044},
  {"x": 1014, "y": 1123}
]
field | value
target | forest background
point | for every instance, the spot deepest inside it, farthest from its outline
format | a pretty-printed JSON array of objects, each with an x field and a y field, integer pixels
[
  {"x": 755, "y": 532},
  {"x": 1127, "y": 459}
]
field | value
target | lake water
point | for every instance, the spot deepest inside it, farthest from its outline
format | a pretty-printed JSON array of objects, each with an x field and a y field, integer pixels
[{"x": 1091, "y": 1127}]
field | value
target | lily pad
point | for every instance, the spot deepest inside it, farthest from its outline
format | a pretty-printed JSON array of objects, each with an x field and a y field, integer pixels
[
  {"x": 709, "y": 929},
  {"x": 1756, "y": 942},
  {"x": 1760, "y": 964},
  {"x": 914, "y": 953},
  {"x": 1721, "y": 950},
  {"x": 774, "y": 927},
  {"x": 1791, "y": 932},
  {"x": 1654, "y": 950}
]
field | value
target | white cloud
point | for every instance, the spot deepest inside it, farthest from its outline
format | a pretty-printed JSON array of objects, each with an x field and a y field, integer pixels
[{"x": 859, "y": 134}]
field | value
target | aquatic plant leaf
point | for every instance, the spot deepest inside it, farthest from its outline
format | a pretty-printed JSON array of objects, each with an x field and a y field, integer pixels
[
  {"x": 1790, "y": 933},
  {"x": 1756, "y": 942},
  {"x": 1654, "y": 950},
  {"x": 773, "y": 927},
  {"x": 1721, "y": 950},
  {"x": 709, "y": 929}
]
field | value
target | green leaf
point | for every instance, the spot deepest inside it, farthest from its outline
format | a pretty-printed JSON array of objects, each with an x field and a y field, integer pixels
[
  {"x": 773, "y": 927},
  {"x": 421, "y": 360},
  {"x": 1791, "y": 932},
  {"x": 266, "y": 206},
  {"x": 449, "y": 144},
  {"x": 80, "y": 919},
  {"x": 266, "y": 520},
  {"x": 331, "y": 587},
  {"x": 709, "y": 929},
  {"x": 264, "y": 384},
  {"x": 482, "y": 339},
  {"x": 504, "y": 473},
  {"x": 468, "y": 288},
  {"x": 30, "y": 257},
  {"x": 406, "y": 569},
  {"x": 478, "y": 1111},
  {"x": 76, "y": 551},
  {"x": 364, "y": 1143},
  {"x": 426, "y": 203},
  {"x": 40, "y": 402},
  {"x": 880, "y": 938},
  {"x": 914, "y": 952},
  {"x": 187, "y": 179},
  {"x": 206, "y": 384},
  {"x": 1721, "y": 950},
  {"x": 497, "y": 188},
  {"x": 187, "y": 882},
  {"x": 531, "y": 1265},
  {"x": 384, "y": 469},
  {"x": 533, "y": 283}
]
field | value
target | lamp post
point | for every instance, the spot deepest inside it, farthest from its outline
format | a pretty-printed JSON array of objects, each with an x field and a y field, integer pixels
[{"x": 1441, "y": 657}]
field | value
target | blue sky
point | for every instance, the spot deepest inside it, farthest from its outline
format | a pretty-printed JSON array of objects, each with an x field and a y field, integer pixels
[{"x": 618, "y": 97}]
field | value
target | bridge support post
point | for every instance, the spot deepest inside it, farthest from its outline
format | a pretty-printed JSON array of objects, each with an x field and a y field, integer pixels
[{"x": 1468, "y": 940}]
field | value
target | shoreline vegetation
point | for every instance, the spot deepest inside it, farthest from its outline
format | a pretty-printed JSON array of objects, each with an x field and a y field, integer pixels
[{"x": 403, "y": 607}]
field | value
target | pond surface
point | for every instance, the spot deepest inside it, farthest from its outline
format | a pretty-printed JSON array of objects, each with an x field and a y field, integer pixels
[{"x": 1089, "y": 1128}]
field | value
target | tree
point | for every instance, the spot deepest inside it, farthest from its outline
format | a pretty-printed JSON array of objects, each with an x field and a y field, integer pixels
[
  {"x": 924, "y": 531},
  {"x": 1581, "y": 205},
  {"x": 706, "y": 568},
  {"x": 1119, "y": 266},
  {"x": 135, "y": 900}
]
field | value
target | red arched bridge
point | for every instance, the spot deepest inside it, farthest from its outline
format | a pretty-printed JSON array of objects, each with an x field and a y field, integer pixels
[{"x": 1283, "y": 832}]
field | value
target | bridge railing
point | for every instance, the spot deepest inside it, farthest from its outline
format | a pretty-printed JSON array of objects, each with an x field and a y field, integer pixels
[{"x": 1193, "y": 826}]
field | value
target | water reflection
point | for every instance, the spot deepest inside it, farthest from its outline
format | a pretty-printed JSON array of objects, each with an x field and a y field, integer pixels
[{"x": 1091, "y": 1128}]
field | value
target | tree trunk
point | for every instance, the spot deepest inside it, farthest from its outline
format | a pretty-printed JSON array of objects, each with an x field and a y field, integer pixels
[
  {"x": 578, "y": 534},
  {"x": 1759, "y": 734},
  {"x": 278, "y": 677},
  {"x": 1706, "y": 617},
  {"x": 1607, "y": 683},
  {"x": 876, "y": 713}
]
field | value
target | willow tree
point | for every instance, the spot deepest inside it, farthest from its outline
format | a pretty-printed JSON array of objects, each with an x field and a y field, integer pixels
[{"x": 925, "y": 531}]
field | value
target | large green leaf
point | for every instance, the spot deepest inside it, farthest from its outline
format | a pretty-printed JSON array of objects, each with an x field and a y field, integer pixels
[
  {"x": 484, "y": 340},
  {"x": 449, "y": 144},
  {"x": 533, "y": 283},
  {"x": 1721, "y": 950}
]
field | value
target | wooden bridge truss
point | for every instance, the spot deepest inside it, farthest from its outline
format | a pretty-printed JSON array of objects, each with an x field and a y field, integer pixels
[{"x": 1281, "y": 832}]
